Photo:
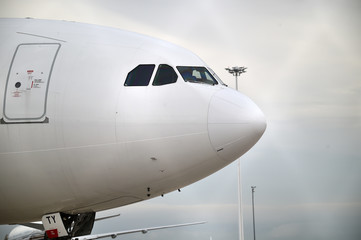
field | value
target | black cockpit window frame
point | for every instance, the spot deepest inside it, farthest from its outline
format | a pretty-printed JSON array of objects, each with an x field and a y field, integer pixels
[
  {"x": 165, "y": 75},
  {"x": 140, "y": 75}
]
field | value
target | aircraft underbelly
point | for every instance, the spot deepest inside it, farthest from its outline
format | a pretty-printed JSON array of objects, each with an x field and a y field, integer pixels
[{"x": 98, "y": 177}]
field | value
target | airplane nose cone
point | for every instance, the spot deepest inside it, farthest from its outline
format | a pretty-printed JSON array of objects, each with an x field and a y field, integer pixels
[{"x": 235, "y": 124}]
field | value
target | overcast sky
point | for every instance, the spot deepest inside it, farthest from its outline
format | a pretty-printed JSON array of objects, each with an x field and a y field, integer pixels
[{"x": 304, "y": 72}]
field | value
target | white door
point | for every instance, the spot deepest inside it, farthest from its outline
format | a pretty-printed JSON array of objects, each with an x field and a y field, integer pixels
[{"x": 27, "y": 83}]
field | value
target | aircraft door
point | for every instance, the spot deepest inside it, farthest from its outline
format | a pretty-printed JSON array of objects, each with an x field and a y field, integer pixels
[{"x": 27, "y": 83}]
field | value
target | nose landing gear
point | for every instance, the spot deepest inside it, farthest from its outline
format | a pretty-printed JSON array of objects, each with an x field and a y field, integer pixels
[{"x": 65, "y": 226}]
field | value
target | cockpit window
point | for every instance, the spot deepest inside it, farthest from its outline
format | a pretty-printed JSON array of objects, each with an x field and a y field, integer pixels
[
  {"x": 140, "y": 76},
  {"x": 216, "y": 77},
  {"x": 165, "y": 75},
  {"x": 197, "y": 75}
]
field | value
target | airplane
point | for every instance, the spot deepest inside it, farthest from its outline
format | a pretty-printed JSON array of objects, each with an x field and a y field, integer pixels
[
  {"x": 94, "y": 118},
  {"x": 35, "y": 231},
  {"x": 25, "y": 233}
]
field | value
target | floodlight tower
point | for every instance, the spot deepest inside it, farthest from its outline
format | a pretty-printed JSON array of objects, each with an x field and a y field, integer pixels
[{"x": 237, "y": 71}]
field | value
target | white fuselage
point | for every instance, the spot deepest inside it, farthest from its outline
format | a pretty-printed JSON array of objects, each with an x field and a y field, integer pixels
[{"x": 81, "y": 141}]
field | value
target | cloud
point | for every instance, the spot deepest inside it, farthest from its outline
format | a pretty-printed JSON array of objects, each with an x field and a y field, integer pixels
[{"x": 289, "y": 230}]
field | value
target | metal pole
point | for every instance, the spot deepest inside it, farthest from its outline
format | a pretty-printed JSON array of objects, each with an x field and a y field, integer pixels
[
  {"x": 254, "y": 221},
  {"x": 240, "y": 210},
  {"x": 237, "y": 71},
  {"x": 236, "y": 82}
]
